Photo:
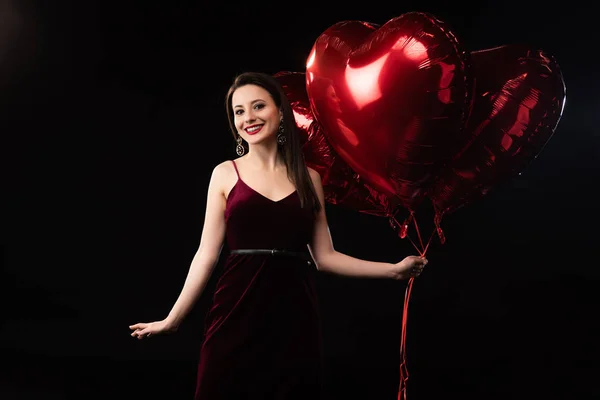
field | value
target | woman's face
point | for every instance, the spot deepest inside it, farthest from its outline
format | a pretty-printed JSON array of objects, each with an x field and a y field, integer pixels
[{"x": 256, "y": 116}]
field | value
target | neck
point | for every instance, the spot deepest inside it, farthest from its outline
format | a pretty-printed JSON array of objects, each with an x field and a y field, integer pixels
[{"x": 265, "y": 156}]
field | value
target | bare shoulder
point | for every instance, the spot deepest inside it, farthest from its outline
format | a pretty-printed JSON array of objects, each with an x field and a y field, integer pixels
[
  {"x": 318, "y": 186},
  {"x": 223, "y": 168},
  {"x": 314, "y": 176},
  {"x": 220, "y": 171},
  {"x": 224, "y": 177}
]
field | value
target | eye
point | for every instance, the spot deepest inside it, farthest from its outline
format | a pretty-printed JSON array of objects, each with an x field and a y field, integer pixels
[
  {"x": 259, "y": 106},
  {"x": 238, "y": 112}
]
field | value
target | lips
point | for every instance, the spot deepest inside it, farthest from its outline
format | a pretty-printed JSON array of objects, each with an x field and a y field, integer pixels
[{"x": 253, "y": 129}]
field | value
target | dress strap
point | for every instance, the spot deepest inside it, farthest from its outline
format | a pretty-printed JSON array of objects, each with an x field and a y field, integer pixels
[{"x": 236, "y": 170}]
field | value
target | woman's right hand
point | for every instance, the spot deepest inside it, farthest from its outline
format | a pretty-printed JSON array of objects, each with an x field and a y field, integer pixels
[{"x": 147, "y": 329}]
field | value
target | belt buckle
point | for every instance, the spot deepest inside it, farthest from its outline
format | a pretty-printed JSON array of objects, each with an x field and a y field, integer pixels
[{"x": 276, "y": 251}]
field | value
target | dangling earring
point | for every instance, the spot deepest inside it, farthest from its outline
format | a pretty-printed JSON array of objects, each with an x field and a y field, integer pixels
[
  {"x": 239, "y": 149},
  {"x": 280, "y": 136}
]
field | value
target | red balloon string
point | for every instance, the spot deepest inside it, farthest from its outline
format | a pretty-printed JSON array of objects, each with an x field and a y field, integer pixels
[
  {"x": 422, "y": 251},
  {"x": 403, "y": 367}
]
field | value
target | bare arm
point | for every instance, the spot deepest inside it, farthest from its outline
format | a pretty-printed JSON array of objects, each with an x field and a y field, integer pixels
[
  {"x": 207, "y": 255},
  {"x": 203, "y": 263},
  {"x": 329, "y": 260}
]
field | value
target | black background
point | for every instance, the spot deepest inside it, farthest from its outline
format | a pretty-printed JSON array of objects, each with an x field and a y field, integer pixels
[{"x": 113, "y": 118}]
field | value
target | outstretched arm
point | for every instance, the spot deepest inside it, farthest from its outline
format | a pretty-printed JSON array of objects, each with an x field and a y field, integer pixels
[
  {"x": 203, "y": 263},
  {"x": 211, "y": 243},
  {"x": 329, "y": 260}
]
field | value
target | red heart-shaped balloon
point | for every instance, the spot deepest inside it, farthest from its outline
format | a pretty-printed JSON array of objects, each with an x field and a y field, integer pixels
[
  {"x": 519, "y": 99},
  {"x": 341, "y": 185},
  {"x": 391, "y": 100}
]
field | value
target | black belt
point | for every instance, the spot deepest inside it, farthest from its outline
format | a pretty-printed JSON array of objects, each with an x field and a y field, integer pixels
[{"x": 274, "y": 252}]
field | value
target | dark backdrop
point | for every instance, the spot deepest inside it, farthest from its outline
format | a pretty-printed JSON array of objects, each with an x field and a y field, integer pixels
[{"x": 113, "y": 119}]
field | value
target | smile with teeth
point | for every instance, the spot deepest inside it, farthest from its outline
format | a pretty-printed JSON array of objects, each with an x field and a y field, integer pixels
[{"x": 251, "y": 130}]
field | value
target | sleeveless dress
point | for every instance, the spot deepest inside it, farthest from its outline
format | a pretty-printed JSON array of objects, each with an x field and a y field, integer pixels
[{"x": 262, "y": 337}]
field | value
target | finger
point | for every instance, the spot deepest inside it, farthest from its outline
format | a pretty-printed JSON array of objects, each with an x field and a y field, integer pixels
[
  {"x": 141, "y": 334},
  {"x": 139, "y": 325},
  {"x": 142, "y": 331},
  {"x": 416, "y": 270}
]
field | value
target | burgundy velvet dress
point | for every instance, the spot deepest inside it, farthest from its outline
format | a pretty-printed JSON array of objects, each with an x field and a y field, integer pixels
[{"x": 262, "y": 335}]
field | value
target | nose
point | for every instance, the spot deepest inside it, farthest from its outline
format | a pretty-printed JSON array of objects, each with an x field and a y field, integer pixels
[{"x": 249, "y": 117}]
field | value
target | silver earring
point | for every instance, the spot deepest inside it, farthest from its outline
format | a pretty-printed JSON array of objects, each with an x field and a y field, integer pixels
[
  {"x": 239, "y": 149},
  {"x": 280, "y": 136}
]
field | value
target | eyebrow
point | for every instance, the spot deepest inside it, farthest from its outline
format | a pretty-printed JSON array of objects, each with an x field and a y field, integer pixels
[{"x": 253, "y": 101}]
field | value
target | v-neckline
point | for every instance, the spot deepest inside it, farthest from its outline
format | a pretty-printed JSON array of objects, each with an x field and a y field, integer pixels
[{"x": 262, "y": 195}]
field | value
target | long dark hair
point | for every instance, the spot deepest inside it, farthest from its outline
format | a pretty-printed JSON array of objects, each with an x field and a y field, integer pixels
[{"x": 291, "y": 151}]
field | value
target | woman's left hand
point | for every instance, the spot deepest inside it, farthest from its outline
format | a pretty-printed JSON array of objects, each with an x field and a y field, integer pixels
[{"x": 410, "y": 267}]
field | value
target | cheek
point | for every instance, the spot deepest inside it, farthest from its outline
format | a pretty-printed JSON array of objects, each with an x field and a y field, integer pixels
[{"x": 238, "y": 123}]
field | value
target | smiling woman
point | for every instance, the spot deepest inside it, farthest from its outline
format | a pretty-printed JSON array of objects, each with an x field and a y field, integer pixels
[
  {"x": 252, "y": 113},
  {"x": 262, "y": 334},
  {"x": 260, "y": 114}
]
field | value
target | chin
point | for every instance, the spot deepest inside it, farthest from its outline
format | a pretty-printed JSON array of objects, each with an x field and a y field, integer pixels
[{"x": 259, "y": 139}]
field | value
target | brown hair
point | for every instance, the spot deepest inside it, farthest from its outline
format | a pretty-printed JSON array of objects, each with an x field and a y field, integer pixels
[{"x": 291, "y": 151}]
